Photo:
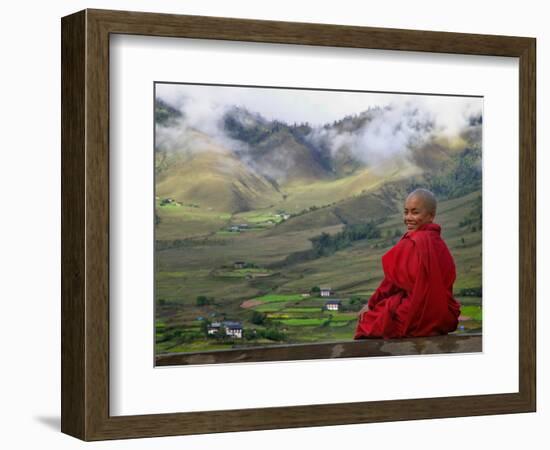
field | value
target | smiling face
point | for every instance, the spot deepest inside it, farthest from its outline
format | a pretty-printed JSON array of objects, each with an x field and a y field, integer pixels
[{"x": 416, "y": 212}]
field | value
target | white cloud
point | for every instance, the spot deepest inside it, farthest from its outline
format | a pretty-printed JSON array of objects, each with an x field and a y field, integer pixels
[
  {"x": 402, "y": 120},
  {"x": 314, "y": 106}
]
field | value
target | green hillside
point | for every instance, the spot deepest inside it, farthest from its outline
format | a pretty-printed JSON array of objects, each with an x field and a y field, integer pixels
[{"x": 206, "y": 268}]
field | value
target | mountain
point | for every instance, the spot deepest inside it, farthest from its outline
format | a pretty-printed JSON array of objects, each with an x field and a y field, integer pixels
[
  {"x": 200, "y": 171},
  {"x": 242, "y": 161},
  {"x": 165, "y": 114},
  {"x": 275, "y": 149}
]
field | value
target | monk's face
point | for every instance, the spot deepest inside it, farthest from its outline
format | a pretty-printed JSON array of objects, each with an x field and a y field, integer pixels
[{"x": 415, "y": 213}]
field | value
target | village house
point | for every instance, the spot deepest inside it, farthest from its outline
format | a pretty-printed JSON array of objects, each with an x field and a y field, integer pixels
[
  {"x": 283, "y": 215},
  {"x": 239, "y": 227},
  {"x": 167, "y": 201},
  {"x": 233, "y": 329},
  {"x": 326, "y": 292},
  {"x": 239, "y": 264},
  {"x": 333, "y": 305},
  {"x": 213, "y": 328}
]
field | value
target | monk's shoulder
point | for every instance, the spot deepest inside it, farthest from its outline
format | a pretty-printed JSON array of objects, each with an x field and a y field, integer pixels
[
  {"x": 409, "y": 239},
  {"x": 405, "y": 244},
  {"x": 427, "y": 239},
  {"x": 406, "y": 240},
  {"x": 424, "y": 236},
  {"x": 400, "y": 255}
]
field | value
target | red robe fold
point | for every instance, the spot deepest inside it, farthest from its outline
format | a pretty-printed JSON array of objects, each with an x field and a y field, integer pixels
[{"x": 415, "y": 298}]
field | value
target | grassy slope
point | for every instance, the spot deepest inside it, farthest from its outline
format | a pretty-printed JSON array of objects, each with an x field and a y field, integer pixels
[{"x": 206, "y": 173}]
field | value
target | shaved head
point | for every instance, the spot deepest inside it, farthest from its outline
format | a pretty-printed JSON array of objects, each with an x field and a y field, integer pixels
[{"x": 427, "y": 197}]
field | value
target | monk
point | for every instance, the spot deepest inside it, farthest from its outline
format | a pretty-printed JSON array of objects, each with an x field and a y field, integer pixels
[{"x": 415, "y": 298}]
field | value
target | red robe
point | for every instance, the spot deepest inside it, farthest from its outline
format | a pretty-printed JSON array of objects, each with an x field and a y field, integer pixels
[{"x": 415, "y": 298}]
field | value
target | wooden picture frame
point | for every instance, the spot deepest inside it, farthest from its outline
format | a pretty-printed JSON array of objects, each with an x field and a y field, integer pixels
[{"x": 85, "y": 227}]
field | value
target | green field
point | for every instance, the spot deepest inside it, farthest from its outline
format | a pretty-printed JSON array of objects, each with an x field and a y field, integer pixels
[
  {"x": 475, "y": 312},
  {"x": 279, "y": 298}
]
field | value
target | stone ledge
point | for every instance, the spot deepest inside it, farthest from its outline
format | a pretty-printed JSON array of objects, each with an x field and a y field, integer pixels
[{"x": 452, "y": 343}]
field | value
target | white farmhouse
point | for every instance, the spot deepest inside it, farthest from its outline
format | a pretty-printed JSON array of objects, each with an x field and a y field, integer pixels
[
  {"x": 234, "y": 329},
  {"x": 214, "y": 328},
  {"x": 326, "y": 292},
  {"x": 333, "y": 305}
]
